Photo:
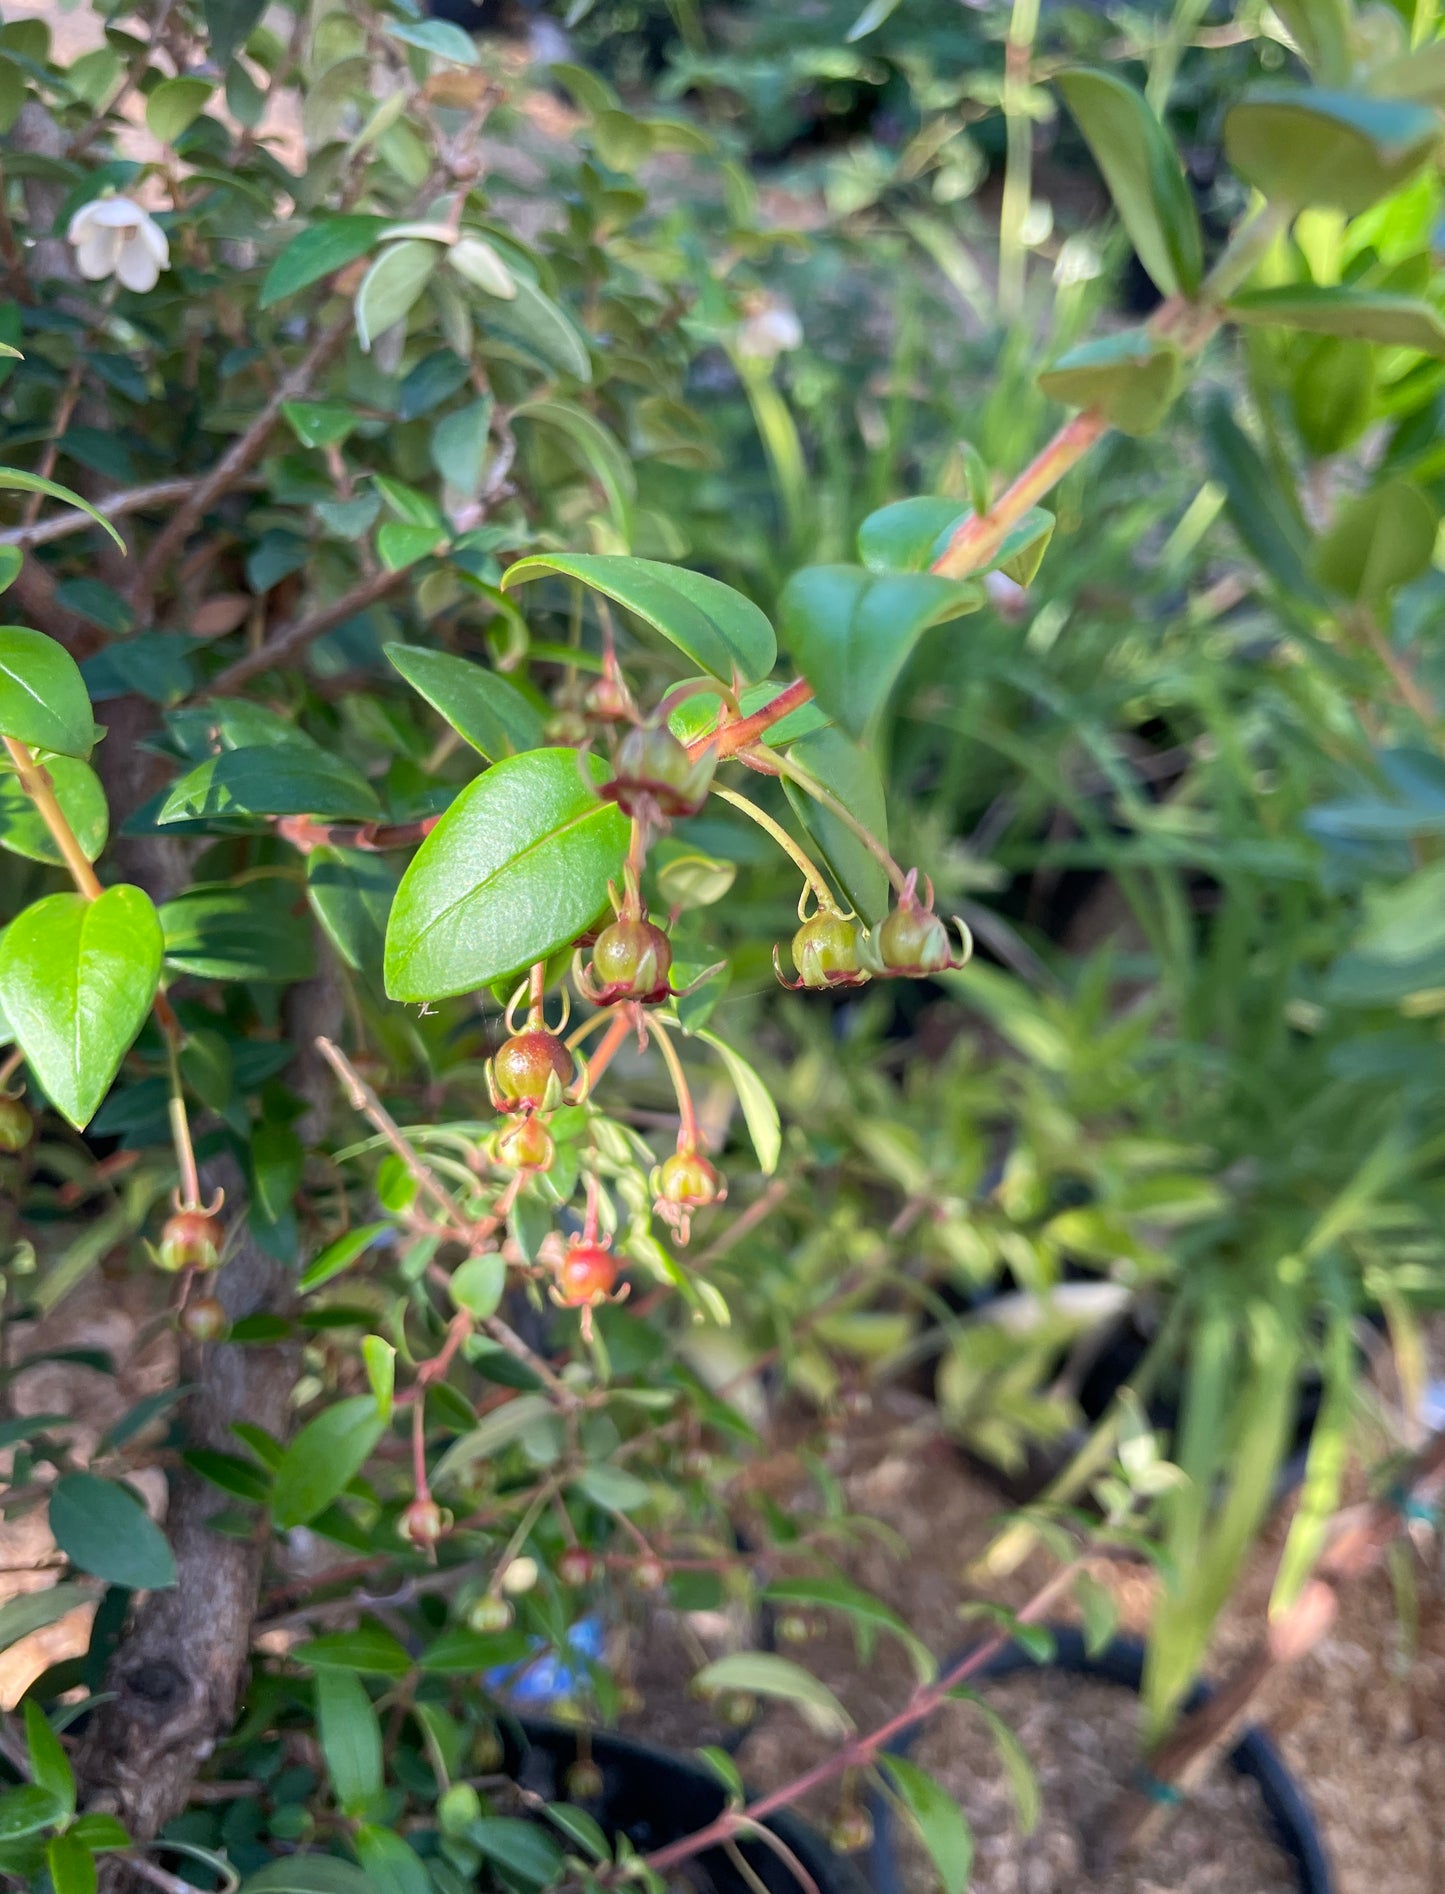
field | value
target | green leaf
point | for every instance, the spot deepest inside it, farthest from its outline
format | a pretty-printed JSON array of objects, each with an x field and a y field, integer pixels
[
  {"x": 11, "y": 560},
  {"x": 401, "y": 544},
  {"x": 908, "y": 535},
  {"x": 319, "y": 252},
  {"x": 853, "y": 776},
  {"x": 307, "y": 1874},
  {"x": 1322, "y": 30},
  {"x": 1332, "y": 392},
  {"x": 176, "y": 104},
  {"x": 82, "y": 802},
  {"x": 601, "y": 453},
  {"x": 43, "y": 700},
  {"x": 477, "y": 1284},
  {"x": 320, "y": 423},
  {"x": 33, "y": 1610},
  {"x": 100, "y": 1527},
  {"x": 49, "y": 1765},
  {"x": 1343, "y": 151},
  {"x": 71, "y": 1865},
  {"x": 852, "y": 631},
  {"x": 13, "y": 480},
  {"x": 1130, "y": 377},
  {"x": 247, "y": 930},
  {"x": 26, "y": 1811},
  {"x": 77, "y": 979},
  {"x": 459, "y": 446},
  {"x": 613, "y": 1488},
  {"x": 1379, "y": 541},
  {"x": 392, "y": 1866},
  {"x": 323, "y": 1459},
  {"x": 760, "y": 1673},
  {"x": 534, "y": 323},
  {"x": 520, "y": 1848},
  {"x": 1143, "y": 173},
  {"x": 370, "y": 1649},
  {"x": 350, "y": 1737},
  {"x": 340, "y": 1255},
  {"x": 498, "y": 1430},
  {"x": 1015, "y": 1760},
  {"x": 1259, "y": 510},
  {"x": 759, "y": 1111},
  {"x": 517, "y": 867},
  {"x": 439, "y": 37},
  {"x": 941, "y": 1824},
  {"x": 481, "y": 705},
  {"x": 717, "y": 627},
  {"x": 392, "y": 285},
  {"x": 379, "y": 1358},
  {"x": 1024, "y": 546},
  {"x": 272, "y": 779},
  {"x": 477, "y": 262},
  {"x": 458, "y": 1651},
  {"x": 1359, "y": 314},
  {"x": 229, "y": 24},
  {"x": 100, "y": 1832},
  {"x": 351, "y": 891},
  {"x": 866, "y": 1611}
]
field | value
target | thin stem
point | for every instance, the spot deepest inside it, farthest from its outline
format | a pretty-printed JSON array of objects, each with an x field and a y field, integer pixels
[
  {"x": 541, "y": 1499},
  {"x": 687, "y": 1135},
  {"x": 65, "y": 408},
  {"x": 37, "y": 785},
  {"x": 536, "y": 992},
  {"x": 1249, "y": 243},
  {"x": 9, "y": 1066},
  {"x": 728, "y": 738},
  {"x": 305, "y": 832},
  {"x": 418, "y": 1448},
  {"x": 980, "y": 535},
  {"x": 1018, "y": 170},
  {"x": 786, "y": 766},
  {"x": 293, "y": 639},
  {"x": 363, "y": 1099},
  {"x": 115, "y": 506},
  {"x": 805, "y": 865},
  {"x": 180, "y": 1124},
  {"x": 608, "y": 1050}
]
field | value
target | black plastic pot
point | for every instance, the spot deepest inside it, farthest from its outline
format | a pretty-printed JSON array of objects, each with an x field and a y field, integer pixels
[
  {"x": 655, "y": 1796},
  {"x": 1122, "y": 1663}
]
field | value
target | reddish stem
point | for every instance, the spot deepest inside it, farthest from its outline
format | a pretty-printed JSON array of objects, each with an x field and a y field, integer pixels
[
  {"x": 727, "y": 738},
  {"x": 305, "y": 832}
]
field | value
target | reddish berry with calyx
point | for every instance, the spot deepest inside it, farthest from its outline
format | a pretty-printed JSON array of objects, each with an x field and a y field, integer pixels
[
  {"x": 825, "y": 953},
  {"x": 682, "y": 1183},
  {"x": 631, "y": 960},
  {"x": 852, "y": 1831},
  {"x": 203, "y": 1319},
  {"x": 526, "y": 1145},
  {"x": 576, "y": 1567},
  {"x": 524, "y": 1066},
  {"x": 17, "y": 1127},
  {"x": 490, "y": 1613},
  {"x": 609, "y": 700},
  {"x": 422, "y": 1524},
  {"x": 649, "y": 1574},
  {"x": 190, "y": 1240},
  {"x": 587, "y": 1275},
  {"x": 655, "y": 776},
  {"x": 913, "y": 940}
]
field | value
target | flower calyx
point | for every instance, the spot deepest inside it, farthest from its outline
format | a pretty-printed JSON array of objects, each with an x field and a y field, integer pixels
[
  {"x": 913, "y": 941},
  {"x": 655, "y": 779},
  {"x": 827, "y": 952},
  {"x": 684, "y": 1183},
  {"x": 530, "y": 1071},
  {"x": 631, "y": 960}
]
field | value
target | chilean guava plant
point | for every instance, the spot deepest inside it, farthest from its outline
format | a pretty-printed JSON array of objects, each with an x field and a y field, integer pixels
[{"x": 367, "y": 731}]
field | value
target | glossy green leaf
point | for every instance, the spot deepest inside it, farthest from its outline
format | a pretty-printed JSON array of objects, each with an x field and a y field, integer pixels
[
  {"x": 229, "y": 24},
  {"x": 1322, "y": 30},
  {"x": 340, "y": 1255},
  {"x": 522, "y": 1849},
  {"x": 319, "y": 252},
  {"x": 370, "y": 1649},
  {"x": 941, "y": 1824},
  {"x": 320, "y": 423},
  {"x": 717, "y": 627},
  {"x": 613, "y": 1488},
  {"x": 82, "y": 801},
  {"x": 392, "y": 1865},
  {"x": 25, "y": 1811},
  {"x": 350, "y": 1736},
  {"x": 908, "y": 535},
  {"x": 491, "y": 1434},
  {"x": 867, "y": 1613},
  {"x": 103, "y": 1529},
  {"x": 1332, "y": 393},
  {"x": 852, "y": 631},
  {"x": 481, "y": 705},
  {"x": 459, "y": 445},
  {"x": 1333, "y": 309},
  {"x": 439, "y": 37},
  {"x": 760, "y": 1113},
  {"x": 101, "y": 1832},
  {"x": 71, "y": 1864},
  {"x": 851, "y": 773},
  {"x": 600, "y": 452},
  {"x": 1379, "y": 541},
  {"x": 1024, "y": 546},
  {"x": 323, "y": 1459},
  {"x": 49, "y": 1765},
  {"x": 77, "y": 979},
  {"x": 43, "y": 700},
  {"x": 392, "y": 285},
  {"x": 1143, "y": 173},
  {"x": 1130, "y": 377},
  {"x": 477, "y": 1284},
  {"x": 11, "y": 560},
  {"x": 531, "y": 321},
  {"x": 762, "y": 1674},
  {"x": 271, "y": 780},
  {"x": 402, "y": 544},
  {"x": 517, "y": 867},
  {"x": 351, "y": 891},
  {"x": 242, "y": 930},
  {"x": 1344, "y": 151},
  {"x": 174, "y": 105},
  {"x": 12, "y": 479},
  {"x": 474, "y": 259},
  {"x": 307, "y": 1874}
]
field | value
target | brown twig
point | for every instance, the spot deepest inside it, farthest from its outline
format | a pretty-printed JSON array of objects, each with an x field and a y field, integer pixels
[
  {"x": 36, "y": 783},
  {"x": 305, "y": 832},
  {"x": 88, "y": 132},
  {"x": 293, "y": 639},
  {"x": 115, "y": 506}
]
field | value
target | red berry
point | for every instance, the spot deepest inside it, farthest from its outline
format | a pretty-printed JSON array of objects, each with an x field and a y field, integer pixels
[
  {"x": 655, "y": 774},
  {"x": 576, "y": 1567},
  {"x": 190, "y": 1240},
  {"x": 526, "y": 1145},
  {"x": 587, "y": 1276},
  {"x": 422, "y": 1524},
  {"x": 17, "y": 1127},
  {"x": 825, "y": 952},
  {"x": 203, "y": 1319},
  {"x": 631, "y": 960},
  {"x": 688, "y": 1180},
  {"x": 525, "y": 1064}
]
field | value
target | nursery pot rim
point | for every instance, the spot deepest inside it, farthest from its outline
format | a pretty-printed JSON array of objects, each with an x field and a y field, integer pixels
[{"x": 1121, "y": 1661}]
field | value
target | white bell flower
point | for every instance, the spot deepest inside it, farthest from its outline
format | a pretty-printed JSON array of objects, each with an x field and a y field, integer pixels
[{"x": 114, "y": 237}]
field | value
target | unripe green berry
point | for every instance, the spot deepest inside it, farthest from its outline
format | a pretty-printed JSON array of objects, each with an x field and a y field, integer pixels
[
  {"x": 583, "y": 1781},
  {"x": 490, "y": 1613},
  {"x": 825, "y": 952},
  {"x": 17, "y": 1127},
  {"x": 525, "y": 1064},
  {"x": 852, "y": 1831},
  {"x": 457, "y": 1808},
  {"x": 631, "y": 960}
]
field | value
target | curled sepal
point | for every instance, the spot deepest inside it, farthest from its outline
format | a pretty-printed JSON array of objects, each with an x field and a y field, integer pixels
[{"x": 913, "y": 941}]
